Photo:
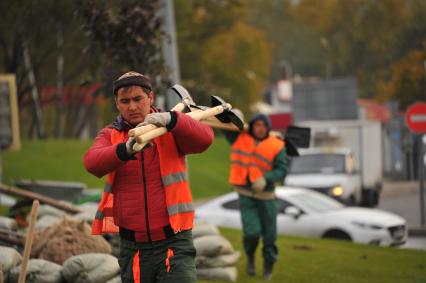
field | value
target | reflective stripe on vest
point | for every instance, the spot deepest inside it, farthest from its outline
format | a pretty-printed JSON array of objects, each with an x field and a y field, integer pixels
[
  {"x": 175, "y": 181},
  {"x": 251, "y": 161}
]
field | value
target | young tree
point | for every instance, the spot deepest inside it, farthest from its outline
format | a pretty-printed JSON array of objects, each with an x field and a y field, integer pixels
[{"x": 407, "y": 83}]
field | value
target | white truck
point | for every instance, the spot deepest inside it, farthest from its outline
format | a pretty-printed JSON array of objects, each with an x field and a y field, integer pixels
[{"x": 344, "y": 161}]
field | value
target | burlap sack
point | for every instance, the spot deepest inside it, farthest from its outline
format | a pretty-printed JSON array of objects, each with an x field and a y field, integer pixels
[
  {"x": 212, "y": 245},
  {"x": 90, "y": 268},
  {"x": 84, "y": 216},
  {"x": 203, "y": 229},
  {"x": 7, "y": 223},
  {"x": 217, "y": 261},
  {"x": 46, "y": 221},
  {"x": 88, "y": 212},
  {"x": 9, "y": 258},
  {"x": 116, "y": 279},
  {"x": 39, "y": 271},
  {"x": 45, "y": 209},
  {"x": 59, "y": 242},
  {"x": 217, "y": 273}
]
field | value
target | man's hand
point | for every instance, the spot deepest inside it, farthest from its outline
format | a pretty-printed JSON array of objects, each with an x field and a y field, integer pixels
[
  {"x": 259, "y": 185},
  {"x": 158, "y": 119},
  {"x": 129, "y": 145}
]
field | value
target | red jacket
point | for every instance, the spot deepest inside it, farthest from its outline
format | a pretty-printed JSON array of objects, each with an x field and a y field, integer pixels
[{"x": 139, "y": 198}]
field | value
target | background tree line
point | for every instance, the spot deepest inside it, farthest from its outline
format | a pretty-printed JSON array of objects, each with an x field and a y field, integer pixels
[{"x": 228, "y": 48}]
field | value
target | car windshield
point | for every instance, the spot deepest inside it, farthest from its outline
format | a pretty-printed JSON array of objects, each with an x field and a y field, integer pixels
[
  {"x": 318, "y": 163},
  {"x": 316, "y": 202}
]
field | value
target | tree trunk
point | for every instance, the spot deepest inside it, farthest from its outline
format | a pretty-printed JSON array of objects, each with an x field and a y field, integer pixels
[
  {"x": 34, "y": 91},
  {"x": 59, "y": 83}
]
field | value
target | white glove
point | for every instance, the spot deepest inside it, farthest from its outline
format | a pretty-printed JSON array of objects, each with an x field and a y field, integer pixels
[
  {"x": 129, "y": 145},
  {"x": 159, "y": 119},
  {"x": 259, "y": 185}
]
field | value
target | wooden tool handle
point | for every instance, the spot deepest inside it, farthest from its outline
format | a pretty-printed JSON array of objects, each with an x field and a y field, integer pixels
[
  {"x": 28, "y": 242},
  {"x": 200, "y": 115},
  {"x": 150, "y": 135},
  {"x": 147, "y": 128},
  {"x": 141, "y": 130}
]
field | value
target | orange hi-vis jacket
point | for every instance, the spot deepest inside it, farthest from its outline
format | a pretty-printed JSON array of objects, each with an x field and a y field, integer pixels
[
  {"x": 250, "y": 161},
  {"x": 173, "y": 174}
]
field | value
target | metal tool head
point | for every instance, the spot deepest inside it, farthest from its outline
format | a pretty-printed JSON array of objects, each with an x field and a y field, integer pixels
[
  {"x": 183, "y": 94},
  {"x": 291, "y": 148},
  {"x": 229, "y": 115}
]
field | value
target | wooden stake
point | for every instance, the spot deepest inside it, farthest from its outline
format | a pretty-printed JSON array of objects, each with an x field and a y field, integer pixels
[
  {"x": 35, "y": 196},
  {"x": 28, "y": 242}
]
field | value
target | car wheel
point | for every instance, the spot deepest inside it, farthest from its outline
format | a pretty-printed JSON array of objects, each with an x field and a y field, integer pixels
[{"x": 336, "y": 234}]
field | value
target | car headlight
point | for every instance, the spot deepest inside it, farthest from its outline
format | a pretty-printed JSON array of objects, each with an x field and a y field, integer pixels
[
  {"x": 336, "y": 191},
  {"x": 367, "y": 225}
]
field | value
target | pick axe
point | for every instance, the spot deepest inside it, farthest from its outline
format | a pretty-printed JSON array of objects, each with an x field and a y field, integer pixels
[
  {"x": 182, "y": 106},
  {"x": 220, "y": 109}
]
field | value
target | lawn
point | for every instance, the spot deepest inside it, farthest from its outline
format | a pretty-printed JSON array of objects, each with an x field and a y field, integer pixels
[
  {"x": 325, "y": 261},
  {"x": 301, "y": 260},
  {"x": 62, "y": 161}
]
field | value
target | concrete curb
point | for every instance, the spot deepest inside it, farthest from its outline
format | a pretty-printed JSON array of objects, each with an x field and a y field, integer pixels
[{"x": 417, "y": 231}]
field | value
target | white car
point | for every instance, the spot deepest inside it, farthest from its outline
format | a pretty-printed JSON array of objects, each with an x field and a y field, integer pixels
[{"x": 306, "y": 213}]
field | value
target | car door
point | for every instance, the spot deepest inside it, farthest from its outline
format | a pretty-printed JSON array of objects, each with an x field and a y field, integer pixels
[
  {"x": 303, "y": 225},
  {"x": 229, "y": 213}
]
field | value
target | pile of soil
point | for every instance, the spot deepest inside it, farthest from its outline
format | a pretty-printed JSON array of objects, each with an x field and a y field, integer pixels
[{"x": 67, "y": 238}]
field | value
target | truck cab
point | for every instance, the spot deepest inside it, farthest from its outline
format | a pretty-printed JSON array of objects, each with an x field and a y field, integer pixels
[{"x": 330, "y": 171}]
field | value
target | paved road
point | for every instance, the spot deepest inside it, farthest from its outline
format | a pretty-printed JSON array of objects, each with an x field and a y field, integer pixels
[
  {"x": 403, "y": 199},
  {"x": 407, "y": 205}
]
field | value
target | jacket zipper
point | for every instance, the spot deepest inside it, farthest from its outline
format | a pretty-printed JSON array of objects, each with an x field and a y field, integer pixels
[{"x": 145, "y": 193}]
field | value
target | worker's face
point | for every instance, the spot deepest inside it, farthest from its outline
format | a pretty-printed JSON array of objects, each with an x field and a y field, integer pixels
[
  {"x": 260, "y": 131},
  {"x": 133, "y": 103}
]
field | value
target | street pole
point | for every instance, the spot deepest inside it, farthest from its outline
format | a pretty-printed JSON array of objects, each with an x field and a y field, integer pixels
[
  {"x": 422, "y": 142},
  {"x": 170, "y": 48},
  {"x": 422, "y": 165}
]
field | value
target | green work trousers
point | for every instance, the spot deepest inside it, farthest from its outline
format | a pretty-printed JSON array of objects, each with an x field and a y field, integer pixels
[
  {"x": 156, "y": 265},
  {"x": 259, "y": 219}
]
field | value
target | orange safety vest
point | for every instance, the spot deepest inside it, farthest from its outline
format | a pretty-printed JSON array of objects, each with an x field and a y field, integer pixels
[
  {"x": 251, "y": 160},
  {"x": 174, "y": 177}
]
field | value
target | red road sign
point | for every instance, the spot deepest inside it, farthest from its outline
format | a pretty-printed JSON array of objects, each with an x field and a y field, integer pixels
[{"x": 415, "y": 117}]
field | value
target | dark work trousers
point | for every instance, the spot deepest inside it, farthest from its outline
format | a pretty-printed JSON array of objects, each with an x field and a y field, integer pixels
[
  {"x": 164, "y": 261},
  {"x": 259, "y": 219}
]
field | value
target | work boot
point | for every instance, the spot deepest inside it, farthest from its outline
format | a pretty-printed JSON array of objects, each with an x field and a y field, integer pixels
[
  {"x": 267, "y": 271},
  {"x": 251, "y": 267}
]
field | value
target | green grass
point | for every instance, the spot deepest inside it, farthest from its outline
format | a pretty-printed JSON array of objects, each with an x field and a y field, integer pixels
[
  {"x": 49, "y": 160},
  {"x": 301, "y": 260},
  {"x": 324, "y": 261},
  {"x": 62, "y": 161},
  {"x": 209, "y": 171}
]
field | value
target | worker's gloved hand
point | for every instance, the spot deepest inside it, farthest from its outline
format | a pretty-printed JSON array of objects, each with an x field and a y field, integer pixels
[
  {"x": 129, "y": 145},
  {"x": 159, "y": 119},
  {"x": 259, "y": 185}
]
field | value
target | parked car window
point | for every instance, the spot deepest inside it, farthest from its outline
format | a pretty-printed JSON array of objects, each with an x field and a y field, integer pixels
[
  {"x": 318, "y": 163},
  {"x": 282, "y": 205},
  {"x": 317, "y": 202},
  {"x": 232, "y": 204}
]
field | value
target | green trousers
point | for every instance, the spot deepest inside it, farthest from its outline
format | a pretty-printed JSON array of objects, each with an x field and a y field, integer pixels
[
  {"x": 259, "y": 219},
  {"x": 165, "y": 261}
]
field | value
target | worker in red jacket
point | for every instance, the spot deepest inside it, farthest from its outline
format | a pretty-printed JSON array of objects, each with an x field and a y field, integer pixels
[{"x": 146, "y": 198}]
